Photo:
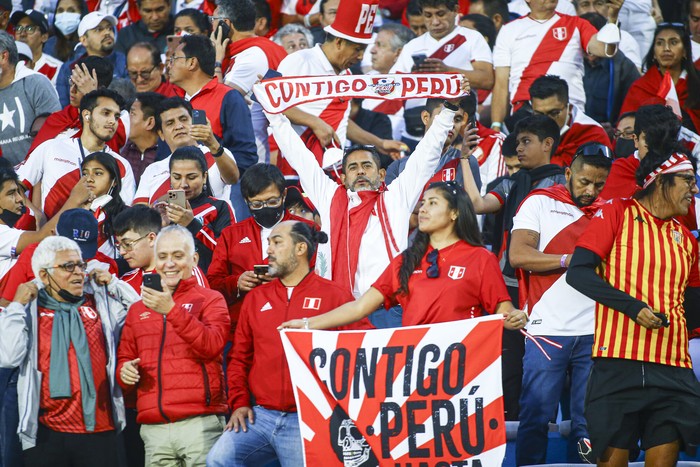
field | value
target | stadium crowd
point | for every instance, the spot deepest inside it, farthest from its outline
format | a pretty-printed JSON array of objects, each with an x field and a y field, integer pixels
[{"x": 158, "y": 225}]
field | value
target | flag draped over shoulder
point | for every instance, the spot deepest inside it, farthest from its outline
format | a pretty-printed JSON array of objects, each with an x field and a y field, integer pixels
[
  {"x": 398, "y": 397},
  {"x": 276, "y": 95}
]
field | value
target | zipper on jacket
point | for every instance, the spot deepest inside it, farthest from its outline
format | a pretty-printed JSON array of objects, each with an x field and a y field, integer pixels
[
  {"x": 160, "y": 379},
  {"x": 207, "y": 391}
]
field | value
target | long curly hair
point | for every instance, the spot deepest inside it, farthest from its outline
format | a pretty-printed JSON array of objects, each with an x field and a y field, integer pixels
[
  {"x": 116, "y": 205},
  {"x": 465, "y": 227}
]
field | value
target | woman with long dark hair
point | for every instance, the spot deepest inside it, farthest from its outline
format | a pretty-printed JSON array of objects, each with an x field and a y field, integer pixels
[
  {"x": 104, "y": 182},
  {"x": 670, "y": 53},
  {"x": 205, "y": 216},
  {"x": 65, "y": 29},
  {"x": 445, "y": 275}
]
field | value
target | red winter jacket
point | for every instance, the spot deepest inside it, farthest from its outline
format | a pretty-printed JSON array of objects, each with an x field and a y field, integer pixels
[
  {"x": 181, "y": 355},
  {"x": 257, "y": 366}
]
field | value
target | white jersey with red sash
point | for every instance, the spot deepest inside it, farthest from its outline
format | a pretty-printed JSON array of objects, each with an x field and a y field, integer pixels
[
  {"x": 532, "y": 49},
  {"x": 367, "y": 229},
  {"x": 335, "y": 112}
]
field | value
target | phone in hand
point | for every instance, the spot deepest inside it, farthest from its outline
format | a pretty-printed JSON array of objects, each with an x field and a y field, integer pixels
[
  {"x": 172, "y": 42},
  {"x": 177, "y": 197},
  {"x": 224, "y": 30},
  {"x": 663, "y": 318},
  {"x": 418, "y": 59},
  {"x": 261, "y": 269},
  {"x": 199, "y": 117},
  {"x": 152, "y": 281}
]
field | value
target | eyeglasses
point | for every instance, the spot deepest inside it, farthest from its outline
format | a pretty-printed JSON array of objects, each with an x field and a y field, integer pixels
[
  {"x": 134, "y": 75},
  {"x": 433, "y": 272},
  {"x": 128, "y": 245},
  {"x": 627, "y": 134},
  {"x": 688, "y": 179},
  {"x": 28, "y": 29},
  {"x": 270, "y": 203},
  {"x": 71, "y": 265},
  {"x": 593, "y": 149},
  {"x": 216, "y": 18},
  {"x": 553, "y": 114},
  {"x": 173, "y": 58}
]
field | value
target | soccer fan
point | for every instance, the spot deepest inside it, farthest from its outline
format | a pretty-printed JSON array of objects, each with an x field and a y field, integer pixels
[
  {"x": 25, "y": 95},
  {"x": 293, "y": 37},
  {"x": 606, "y": 80},
  {"x": 327, "y": 11},
  {"x": 546, "y": 42},
  {"x": 448, "y": 240},
  {"x": 192, "y": 70},
  {"x": 145, "y": 68},
  {"x": 32, "y": 28},
  {"x": 545, "y": 230},
  {"x": 5, "y": 10},
  {"x": 75, "y": 410},
  {"x": 191, "y": 21},
  {"x": 549, "y": 96},
  {"x": 247, "y": 57},
  {"x": 483, "y": 25},
  {"x": 89, "y": 73},
  {"x": 96, "y": 32},
  {"x": 141, "y": 149},
  {"x": 537, "y": 138},
  {"x": 624, "y": 135},
  {"x": 66, "y": 18},
  {"x": 181, "y": 416},
  {"x": 297, "y": 204},
  {"x": 53, "y": 168},
  {"x": 668, "y": 54},
  {"x": 414, "y": 18},
  {"x": 241, "y": 246},
  {"x": 523, "y": 7},
  {"x": 204, "y": 216},
  {"x": 173, "y": 120},
  {"x": 325, "y": 123},
  {"x": 628, "y": 45},
  {"x": 155, "y": 25},
  {"x": 642, "y": 383},
  {"x": 390, "y": 40},
  {"x": 264, "y": 425},
  {"x": 496, "y": 10}
]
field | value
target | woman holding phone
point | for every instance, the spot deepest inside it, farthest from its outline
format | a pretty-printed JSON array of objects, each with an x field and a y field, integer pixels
[
  {"x": 200, "y": 213},
  {"x": 445, "y": 275}
]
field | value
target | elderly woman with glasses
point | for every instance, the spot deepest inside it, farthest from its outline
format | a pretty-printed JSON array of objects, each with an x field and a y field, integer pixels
[
  {"x": 445, "y": 275},
  {"x": 670, "y": 53}
]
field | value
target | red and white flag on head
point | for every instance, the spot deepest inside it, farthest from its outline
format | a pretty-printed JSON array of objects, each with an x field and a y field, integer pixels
[{"x": 667, "y": 91}]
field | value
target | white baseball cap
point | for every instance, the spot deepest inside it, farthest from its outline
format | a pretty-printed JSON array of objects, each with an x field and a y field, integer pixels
[
  {"x": 92, "y": 20},
  {"x": 23, "y": 49}
]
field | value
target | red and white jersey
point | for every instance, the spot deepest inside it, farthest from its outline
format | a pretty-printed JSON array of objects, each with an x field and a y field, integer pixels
[
  {"x": 48, "y": 66},
  {"x": 8, "y": 248},
  {"x": 559, "y": 226},
  {"x": 313, "y": 62},
  {"x": 297, "y": 7},
  {"x": 580, "y": 129},
  {"x": 155, "y": 181},
  {"x": 56, "y": 165},
  {"x": 532, "y": 49},
  {"x": 488, "y": 154},
  {"x": 520, "y": 7}
]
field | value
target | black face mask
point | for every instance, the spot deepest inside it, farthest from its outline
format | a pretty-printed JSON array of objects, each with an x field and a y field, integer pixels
[
  {"x": 624, "y": 148},
  {"x": 10, "y": 218},
  {"x": 267, "y": 217},
  {"x": 64, "y": 294}
]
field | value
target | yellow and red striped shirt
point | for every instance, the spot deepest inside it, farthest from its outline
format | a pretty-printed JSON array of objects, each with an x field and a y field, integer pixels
[{"x": 652, "y": 260}]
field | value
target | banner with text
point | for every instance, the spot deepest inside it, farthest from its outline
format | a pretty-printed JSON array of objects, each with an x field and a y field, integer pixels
[
  {"x": 276, "y": 95},
  {"x": 419, "y": 396}
]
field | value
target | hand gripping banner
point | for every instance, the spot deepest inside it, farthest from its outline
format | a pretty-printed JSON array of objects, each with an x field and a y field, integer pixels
[
  {"x": 276, "y": 95},
  {"x": 419, "y": 396}
]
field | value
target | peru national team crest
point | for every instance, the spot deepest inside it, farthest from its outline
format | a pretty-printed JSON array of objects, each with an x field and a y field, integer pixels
[
  {"x": 559, "y": 33},
  {"x": 383, "y": 86},
  {"x": 311, "y": 303},
  {"x": 448, "y": 48},
  {"x": 456, "y": 272},
  {"x": 449, "y": 174}
]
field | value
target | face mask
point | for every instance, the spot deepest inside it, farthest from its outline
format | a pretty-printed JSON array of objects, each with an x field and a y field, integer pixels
[
  {"x": 67, "y": 23},
  {"x": 624, "y": 148},
  {"x": 10, "y": 218},
  {"x": 267, "y": 217},
  {"x": 64, "y": 294}
]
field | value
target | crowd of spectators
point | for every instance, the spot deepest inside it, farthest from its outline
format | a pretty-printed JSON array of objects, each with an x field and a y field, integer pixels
[{"x": 158, "y": 226}]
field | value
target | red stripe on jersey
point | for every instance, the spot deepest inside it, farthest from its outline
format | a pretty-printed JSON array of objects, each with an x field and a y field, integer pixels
[
  {"x": 448, "y": 47},
  {"x": 389, "y": 107},
  {"x": 59, "y": 193}
]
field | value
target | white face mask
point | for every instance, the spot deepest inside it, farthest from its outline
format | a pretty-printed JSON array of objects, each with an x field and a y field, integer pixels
[{"x": 67, "y": 23}]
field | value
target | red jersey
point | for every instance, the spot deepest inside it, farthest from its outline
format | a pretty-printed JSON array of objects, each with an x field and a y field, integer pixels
[
  {"x": 652, "y": 260},
  {"x": 66, "y": 414},
  {"x": 469, "y": 284},
  {"x": 583, "y": 130}
]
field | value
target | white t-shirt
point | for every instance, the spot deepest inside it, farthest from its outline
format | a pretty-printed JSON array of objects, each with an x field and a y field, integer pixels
[
  {"x": 155, "y": 181},
  {"x": 695, "y": 47},
  {"x": 56, "y": 164},
  {"x": 559, "y": 309},
  {"x": 8, "y": 245},
  {"x": 520, "y": 7},
  {"x": 533, "y": 48}
]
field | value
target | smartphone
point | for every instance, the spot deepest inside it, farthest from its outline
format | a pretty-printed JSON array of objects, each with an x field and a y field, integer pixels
[
  {"x": 199, "y": 117},
  {"x": 664, "y": 319},
  {"x": 418, "y": 59},
  {"x": 152, "y": 281},
  {"x": 177, "y": 197},
  {"x": 261, "y": 269},
  {"x": 173, "y": 42},
  {"x": 224, "y": 28}
]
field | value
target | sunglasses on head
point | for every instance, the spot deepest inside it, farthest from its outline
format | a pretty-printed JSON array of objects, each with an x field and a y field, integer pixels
[{"x": 595, "y": 149}]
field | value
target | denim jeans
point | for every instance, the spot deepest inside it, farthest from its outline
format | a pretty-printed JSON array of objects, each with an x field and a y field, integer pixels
[
  {"x": 10, "y": 447},
  {"x": 543, "y": 381},
  {"x": 274, "y": 435}
]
